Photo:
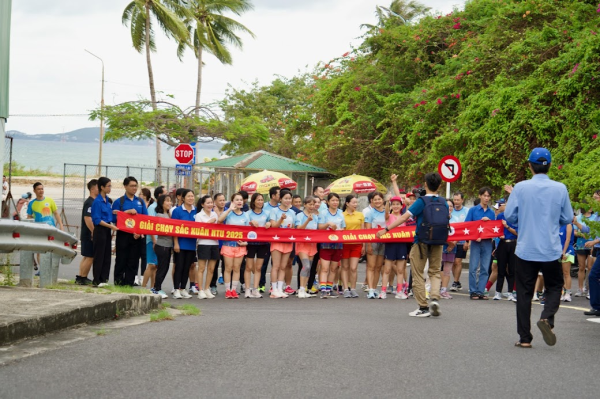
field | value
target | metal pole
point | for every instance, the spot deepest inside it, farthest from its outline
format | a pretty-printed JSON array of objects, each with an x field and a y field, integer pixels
[
  {"x": 84, "y": 179},
  {"x": 101, "y": 116},
  {"x": 447, "y": 190},
  {"x": 64, "y": 182}
]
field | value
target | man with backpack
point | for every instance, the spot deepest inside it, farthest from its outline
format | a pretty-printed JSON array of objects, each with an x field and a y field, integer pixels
[
  {"x": 128, "y": 246},
  {"x": 433, "y": 223}
]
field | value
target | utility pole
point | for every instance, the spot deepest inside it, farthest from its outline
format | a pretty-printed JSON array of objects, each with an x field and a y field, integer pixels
[
  {"x": 5, "y": 16},
  {"x": 99, "y": 171}
]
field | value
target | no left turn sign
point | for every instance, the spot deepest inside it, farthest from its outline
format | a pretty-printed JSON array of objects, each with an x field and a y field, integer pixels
[{"x": 449, "y": 168}]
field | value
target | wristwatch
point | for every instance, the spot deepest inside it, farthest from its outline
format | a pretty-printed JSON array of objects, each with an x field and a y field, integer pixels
[{"x": 386, "y": 228}]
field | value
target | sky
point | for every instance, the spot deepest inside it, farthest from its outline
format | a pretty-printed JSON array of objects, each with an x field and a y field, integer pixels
[{"x": 51, "y": 74}]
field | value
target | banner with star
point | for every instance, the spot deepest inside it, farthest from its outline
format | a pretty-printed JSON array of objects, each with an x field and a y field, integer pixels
[{"x": 150, "y": 225}]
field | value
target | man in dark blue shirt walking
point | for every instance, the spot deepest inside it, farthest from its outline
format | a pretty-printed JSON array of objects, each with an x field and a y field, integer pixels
[{"x": 128, "y": 245}]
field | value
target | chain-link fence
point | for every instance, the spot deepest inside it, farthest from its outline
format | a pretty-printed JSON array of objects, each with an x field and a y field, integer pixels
[{"x": 76, "y": 177}]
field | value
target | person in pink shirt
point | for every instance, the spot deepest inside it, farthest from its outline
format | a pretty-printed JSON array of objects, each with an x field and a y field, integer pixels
[{"x": 395, "y": 253}]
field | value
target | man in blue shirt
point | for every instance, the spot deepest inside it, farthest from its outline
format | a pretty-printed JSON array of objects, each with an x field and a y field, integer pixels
[
  {"x": 128, "y": 246},
  {"x": 481, "y": 249},
  {"x": 539, "y": 207},
  {"x": 420, "y": 253},
  {"x": 459, "y": 214},
  {"x": 505, "y": 254}
]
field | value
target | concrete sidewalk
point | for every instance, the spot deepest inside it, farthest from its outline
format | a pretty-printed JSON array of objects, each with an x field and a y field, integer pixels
[{"x": 27, "y": 312}]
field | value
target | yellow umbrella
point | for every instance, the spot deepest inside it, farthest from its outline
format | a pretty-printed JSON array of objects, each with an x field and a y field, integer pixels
[
  {"x": 261, "y": 182},
  {"x": 355, "y": 184}
]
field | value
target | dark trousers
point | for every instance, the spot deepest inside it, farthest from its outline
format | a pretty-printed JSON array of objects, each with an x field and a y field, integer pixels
[
  {"x": 129, "y": 251},
  {"x": 263, "y": 270},
  {"x": 183, "y": 262},
  {"x": 102, "y": 249},
  {"x": 313, "y": 269},
  {"x": 526, "y": 276},
  {"x": 163, "y": 256},
  {"x": 213, "y": 281},
  {"x": 505, "y": 254},
  {"x": 594, "y": 285}
]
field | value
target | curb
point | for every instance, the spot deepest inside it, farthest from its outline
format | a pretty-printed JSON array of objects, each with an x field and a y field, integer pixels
[{"x": 115, "y": 307}]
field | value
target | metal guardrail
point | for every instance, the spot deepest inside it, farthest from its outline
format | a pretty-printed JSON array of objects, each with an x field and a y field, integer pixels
[{"x": 53, "y": 245}]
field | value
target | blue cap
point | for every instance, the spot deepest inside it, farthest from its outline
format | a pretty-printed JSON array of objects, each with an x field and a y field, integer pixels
[
  {"x": 538, "y": 153},
  {"x": 501, "y": 201}
]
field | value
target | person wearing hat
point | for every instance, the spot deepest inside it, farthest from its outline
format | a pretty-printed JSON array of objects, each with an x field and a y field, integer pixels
[
  {"x": 21, "y": 207},
  {"x": 539, "y": 206}
]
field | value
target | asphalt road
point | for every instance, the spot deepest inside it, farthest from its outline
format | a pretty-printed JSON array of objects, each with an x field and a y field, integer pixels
[{"x": 321, "y": 348}]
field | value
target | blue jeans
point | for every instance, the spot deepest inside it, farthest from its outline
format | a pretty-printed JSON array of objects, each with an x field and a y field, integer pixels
[
  {"x": 481, "y": 254},
  {"x": 594, "y": 284}
]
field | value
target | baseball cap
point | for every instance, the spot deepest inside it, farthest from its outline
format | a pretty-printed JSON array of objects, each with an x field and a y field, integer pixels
[
  {"x": 499, "y": 203},
  {"x": 396, "y": 198},
  {"x": 538, "y": 153},
  {"x": 410, "y": 194}
]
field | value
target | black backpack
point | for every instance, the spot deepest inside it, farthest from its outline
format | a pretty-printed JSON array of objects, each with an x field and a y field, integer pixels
[{"x": 435, "y": 224}]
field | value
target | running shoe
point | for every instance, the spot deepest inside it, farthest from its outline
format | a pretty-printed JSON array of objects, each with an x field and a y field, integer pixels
[
  {"x": 255, "y": 294},
  {"x": 383, "y": 295},
  {"x": 454, "y": 287},
  {"x": 301, "y": 294},
  {"x": 208, "y": 294},
  {"x": 498, "y": 296},
  {"x": 340, "y": 290},
  {"x": 184, "y": 294},
  {"x": 562, "y": 296},
  {"x": 332, "y": 294},
  {"x": 402, "y": 295},
  {"x": 313, "y": 291},
  {"x": 261, "y": 289},
  {"x": 227, "y": 294},
  {"x": 220, "y": 280},
  {"x": 371, "y": 294},
  {"x": 410, "y": 293},
  {"x": 354, "y": 294},
  {"x": 193, "y": 290},
  {"x": 213, "y": 290},
  {"x": 394, "y": 291},
  {"x": 242, "y": 288},
  {"x": 162, "y": 294},
  {"x": 233, "y": 294},
  {"x": 153, "y": 291},
  {"x": 506, "y": 294},
  {"x": 289, "y": 290},
  {"x": 579, "y": 293},
  {"x": 435, "y": 308},
  {"x": 365, "y": 287},
  {"x": 420, "y": 313},
  {"x": 308, "y": 295},
  {"x": 587, "y": 297},
  {"x": 323, "y": 295},
  {"x": 445, "y": 295},
  {"x": 458, "y": 286},
  {"x": 347, "y": 293},
  {"x": 177, "y": 294},
  {"x": 102, "y": 285},
  {"x": 535, "y": 297},
  {"x": 247, "y": 293},
  {"x": 276, "y": 294},
  {"x": 202, "y": 295},
  {"x": 511, "y": 297}
]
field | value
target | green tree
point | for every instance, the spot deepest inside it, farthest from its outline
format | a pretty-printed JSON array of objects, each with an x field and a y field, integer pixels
[
  {"x": 398, "y": 12},
  {"x": 140, "y": 15},
  {"x": 213, "y": 32}
]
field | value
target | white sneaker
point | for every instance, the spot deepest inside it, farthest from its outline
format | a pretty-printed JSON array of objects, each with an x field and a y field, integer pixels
[
  {"x": 163, "y": 294},
  {"x": 301, "y": 294},
  {"x": 498, "y": 296},
  {"x": 137, "y": 280},
  {"x": 308, "y": 295},
  {"x": 283, "y": 294},
  {"x": 208, "y": 294},
  {"x": 510, "y": 297},
  {"x": 247, "y": 293},
  {"x": 202, "y": 295},
  {"x": 383, "y": 295},
  {"x": 194, "y": 290},
  {"x": 579, "y": 293},
  {"x": 184, "y": 294},
  {"x": 102, "y": 285},
  {"x": 255, "y": 294},
  {"x": 177, "y": 294},
  {"x": 401, "y": 295},
  {"x": 535, "y": 297},
  {"x": 567, "y": 297},
  {"x": 435, "y": 308},
  {"x": 420, "y": 313},
  {"x": 277, "y": 294}
]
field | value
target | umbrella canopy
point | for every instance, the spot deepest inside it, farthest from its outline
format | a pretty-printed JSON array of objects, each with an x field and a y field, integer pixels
[
  {"x": 355, "y": 184},
  {"x": 261, "y": 182}
]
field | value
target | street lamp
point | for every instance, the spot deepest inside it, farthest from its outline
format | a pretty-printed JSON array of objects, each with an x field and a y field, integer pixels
[{"x": 101, "y": 117}]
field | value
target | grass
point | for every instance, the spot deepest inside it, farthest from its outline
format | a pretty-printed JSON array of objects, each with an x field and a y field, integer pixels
[
  {"x": 188, "y": 310},
  {"x": 20, "y": 170},
  {"x": 161, "y": 315},
  {"x": 101, "y": 332},
  {"x": 123, "y": 289},
  {"x": 8, "y": 276},
  {"x": 165, "y": 305}
]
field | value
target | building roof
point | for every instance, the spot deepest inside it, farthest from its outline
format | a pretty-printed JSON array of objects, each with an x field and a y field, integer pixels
[{"x": 260, "y": 160}]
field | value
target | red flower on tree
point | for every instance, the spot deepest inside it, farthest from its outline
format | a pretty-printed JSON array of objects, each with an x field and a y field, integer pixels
[
  {"x": 456, "y": 26},
  {"x": 439, "y": 101}
]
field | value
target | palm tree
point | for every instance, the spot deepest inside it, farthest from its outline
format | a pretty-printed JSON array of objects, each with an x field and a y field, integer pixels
[
  {"x": 140, "y": 15},
  {"x": 399, "y": 11},
  {"x": 212, "y": 32}
]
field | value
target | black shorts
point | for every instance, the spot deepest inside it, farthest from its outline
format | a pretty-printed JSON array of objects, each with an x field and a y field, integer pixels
[
  {"x": 260, "y": 251},
  {"x": 460, "y": 251},
  {"x": 583, "y": 252},
  {"x": 595, "y": 252},
  {"x": 87, "y": 248},
  {"x": 395, "y": 251},
  {"x": 208, "y": 252}
]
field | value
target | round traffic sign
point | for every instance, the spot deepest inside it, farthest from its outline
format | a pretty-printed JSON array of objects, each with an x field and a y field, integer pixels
[
  {"x": 184, "y": 153},
  {"x": 449, "y": 168}
]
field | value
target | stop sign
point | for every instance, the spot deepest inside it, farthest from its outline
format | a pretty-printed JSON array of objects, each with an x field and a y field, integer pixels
[{"x": 184, "y": 153}]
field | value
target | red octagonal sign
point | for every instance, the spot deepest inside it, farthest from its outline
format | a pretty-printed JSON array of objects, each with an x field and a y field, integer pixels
[{"x": 184, "y": 153}]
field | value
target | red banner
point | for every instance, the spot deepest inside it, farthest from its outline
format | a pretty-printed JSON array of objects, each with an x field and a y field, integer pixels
[{"x": 142, "y": 224}]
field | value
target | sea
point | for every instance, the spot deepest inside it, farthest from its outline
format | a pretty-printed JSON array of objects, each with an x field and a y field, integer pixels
[{"x": 52, "y": 155}]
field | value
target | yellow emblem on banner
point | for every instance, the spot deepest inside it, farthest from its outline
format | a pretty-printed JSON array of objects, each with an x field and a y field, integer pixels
[
  {"x": 333, "y": 237},
  {"x": 130, "y": 223}
]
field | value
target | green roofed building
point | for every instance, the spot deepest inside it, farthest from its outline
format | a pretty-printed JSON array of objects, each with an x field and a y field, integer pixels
[{"x": 229, "y": 172}]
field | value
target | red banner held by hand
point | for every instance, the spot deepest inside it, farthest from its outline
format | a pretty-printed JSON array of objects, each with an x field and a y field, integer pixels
[{"x": 150, "y": 225}]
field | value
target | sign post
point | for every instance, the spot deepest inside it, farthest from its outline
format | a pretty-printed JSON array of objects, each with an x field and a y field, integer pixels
[
  {"x": 449, "y": 168},
  {"x": 186, "y": 156}
]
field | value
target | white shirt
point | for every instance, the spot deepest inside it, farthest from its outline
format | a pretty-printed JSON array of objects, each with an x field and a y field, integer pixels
[{"x": 202, "y": 217}]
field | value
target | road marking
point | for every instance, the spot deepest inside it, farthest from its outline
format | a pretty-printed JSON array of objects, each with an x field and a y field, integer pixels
[{"x": 596, "y": 320}]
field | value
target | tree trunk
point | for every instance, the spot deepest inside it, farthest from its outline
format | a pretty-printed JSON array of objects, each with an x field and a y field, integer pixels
[
  {"x": 152, "y": 90},
  {"x": 199, "y": 85}
]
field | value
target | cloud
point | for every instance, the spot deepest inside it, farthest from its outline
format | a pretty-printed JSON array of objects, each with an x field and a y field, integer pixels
[
  {"x": 66, "y": 7},
  {"x": 287, "y": 4}
]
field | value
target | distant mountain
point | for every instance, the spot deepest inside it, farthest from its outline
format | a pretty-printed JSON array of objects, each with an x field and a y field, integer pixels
[{"x": 89, "y": 135}]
